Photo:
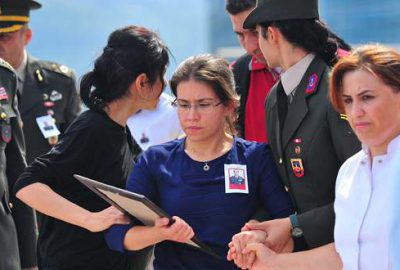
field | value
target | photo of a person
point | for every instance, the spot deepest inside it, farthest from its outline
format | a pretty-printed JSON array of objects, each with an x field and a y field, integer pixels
[
  {"x": 47, "y": 127},
  {"x": 236, "y": 178}
]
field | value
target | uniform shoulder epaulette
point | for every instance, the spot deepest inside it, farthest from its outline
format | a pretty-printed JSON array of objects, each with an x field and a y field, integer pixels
[
  {"x": 6, "y": 65},
  {"x": 58, "y": 68}
]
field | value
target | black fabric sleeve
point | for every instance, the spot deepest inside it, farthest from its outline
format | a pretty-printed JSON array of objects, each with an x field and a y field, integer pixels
[
  {"x": 69, "y": 156},
  {"x": 318, "y": 225}
]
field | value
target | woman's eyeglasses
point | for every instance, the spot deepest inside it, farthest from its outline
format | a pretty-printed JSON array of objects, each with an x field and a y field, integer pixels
[{"x": 201, "y": 107}]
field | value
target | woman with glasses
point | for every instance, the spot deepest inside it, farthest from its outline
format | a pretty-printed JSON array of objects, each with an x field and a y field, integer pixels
[
  {"x": 127, "y": 76},
  {"x": 193, "y": 179}
]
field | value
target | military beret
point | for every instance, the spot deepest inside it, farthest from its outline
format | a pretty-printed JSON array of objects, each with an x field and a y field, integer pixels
[
  {"x": 278, "y": 10},
  {"x": 15, "y": 13}
]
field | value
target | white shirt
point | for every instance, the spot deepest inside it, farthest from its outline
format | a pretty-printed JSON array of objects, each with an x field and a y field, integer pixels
[
  {"x": 157, "y": 126},
  {"x": 292, "y": 77},
  {"x": 364, "y": 208}
]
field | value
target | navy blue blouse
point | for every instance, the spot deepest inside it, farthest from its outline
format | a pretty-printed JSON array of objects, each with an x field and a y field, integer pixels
[{"x": 179, "y": 185}]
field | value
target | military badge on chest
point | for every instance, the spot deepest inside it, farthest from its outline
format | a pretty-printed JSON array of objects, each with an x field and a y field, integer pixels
[
  {"x": 5, "y": 127},
  {"x": 297, "y": 167},
  {"x": 47, "y": 123},
  {"x": 297, "y": 163}
]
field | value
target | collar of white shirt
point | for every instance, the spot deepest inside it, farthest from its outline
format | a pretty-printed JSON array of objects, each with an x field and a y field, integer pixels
[
  {"x": 292, "y": 77},
  {"x": 393, "y": 145}
]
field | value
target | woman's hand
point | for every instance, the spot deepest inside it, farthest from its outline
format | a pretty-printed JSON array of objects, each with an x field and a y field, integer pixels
[
  {"x": 279, "y": 237},
  {"x": 100, "y": 221},
  {"x": 239, "y": 242},
  {"x": 264, "y": 257},
  {"x": 178, "y": 231}
]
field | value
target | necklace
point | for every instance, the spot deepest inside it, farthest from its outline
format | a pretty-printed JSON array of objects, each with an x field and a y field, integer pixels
[{"x": 206, "y": 167}]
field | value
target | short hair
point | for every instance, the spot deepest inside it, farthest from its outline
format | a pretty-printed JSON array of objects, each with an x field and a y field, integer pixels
[
  {"x": 379, "y": 60},
  {"x": 234, "y": 7},
  {"x": 130, "y": 51},
  {"x": 212, "y": 71}
]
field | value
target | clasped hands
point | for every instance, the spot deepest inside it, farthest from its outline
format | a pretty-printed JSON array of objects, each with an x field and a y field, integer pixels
[{"x": 257, "y": 245}]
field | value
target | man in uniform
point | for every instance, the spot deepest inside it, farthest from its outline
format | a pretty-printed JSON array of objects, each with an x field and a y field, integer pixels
[
  {"x": 17, "y": 223},
  {"x": 46, "y": 92},
  {"x": 253, "y": 77}
]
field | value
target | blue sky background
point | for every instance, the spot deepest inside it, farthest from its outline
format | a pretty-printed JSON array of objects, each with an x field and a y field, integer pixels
[{"x": 74, "y": 32}]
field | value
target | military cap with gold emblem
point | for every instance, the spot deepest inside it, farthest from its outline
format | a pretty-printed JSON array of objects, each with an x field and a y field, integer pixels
[{"x": 15, "y": 13}]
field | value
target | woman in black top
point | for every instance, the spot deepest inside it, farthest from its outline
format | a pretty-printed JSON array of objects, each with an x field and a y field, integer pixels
[{"x": 127, "y": 76}]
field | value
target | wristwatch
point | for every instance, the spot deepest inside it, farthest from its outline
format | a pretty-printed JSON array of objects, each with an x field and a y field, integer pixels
[{"x": 297, "y": 232}]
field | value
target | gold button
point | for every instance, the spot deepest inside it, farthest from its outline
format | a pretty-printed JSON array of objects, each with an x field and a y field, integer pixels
[
  {"x": 3, "y": 115},
  {"x": 10, "y": 205}
]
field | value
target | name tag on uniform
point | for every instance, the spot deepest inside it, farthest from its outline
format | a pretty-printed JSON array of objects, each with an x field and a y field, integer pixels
[
  {"x": 236, "y": 178},
  {"x": 47, "y": 126}
]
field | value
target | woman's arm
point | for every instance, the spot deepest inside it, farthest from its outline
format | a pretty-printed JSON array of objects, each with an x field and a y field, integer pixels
[
  {"x": 140, "y": 237},
  {"x": 324, "y": 257},
  {"x": 42, "y": 198}
]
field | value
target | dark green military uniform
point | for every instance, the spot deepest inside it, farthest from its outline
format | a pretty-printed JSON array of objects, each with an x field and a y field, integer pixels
[
  {"x": 48, "y": 89},
  {"x": 12, "y": 164},
  {"x": 314, "y": 142}
]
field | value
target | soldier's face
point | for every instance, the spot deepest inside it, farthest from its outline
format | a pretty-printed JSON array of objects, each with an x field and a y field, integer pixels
[
  {"x": 268, "y": 47},
  {"x": 12, "y": 46}
]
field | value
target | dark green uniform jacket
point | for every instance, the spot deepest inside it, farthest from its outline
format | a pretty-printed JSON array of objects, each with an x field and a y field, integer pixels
[
  {"x": 314, "y": 142},
  {"x": 49, "y": 88},
  {"x": 12, "y": 164}
]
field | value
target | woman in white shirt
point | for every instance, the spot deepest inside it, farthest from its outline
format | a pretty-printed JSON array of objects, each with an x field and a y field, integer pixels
[{"x": 365, "y": 86}]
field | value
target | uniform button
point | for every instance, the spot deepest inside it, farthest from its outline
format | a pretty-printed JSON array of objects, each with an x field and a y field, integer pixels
[
  {"x": 3, "y": 115},
  {"x": 280, "y": 161},
  {"x": 380, "y": 161},
  {"x": 287, "y": 188},
  {"x": 10, "y": 205}
]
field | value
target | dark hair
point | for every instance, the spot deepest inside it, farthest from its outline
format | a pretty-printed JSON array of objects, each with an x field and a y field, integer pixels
[
  {"x": 234, "y": 7},
  {"x": 339, "y": 41},
  {"x": 381, "y": 61},
  {"x": 311, "y": 35},
  {"x": 130, "y": 51},
  {"x": 212, "y": 71}
]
